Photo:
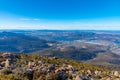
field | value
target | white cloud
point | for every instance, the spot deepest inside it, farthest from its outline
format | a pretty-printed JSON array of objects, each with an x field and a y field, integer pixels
[
  {"x": 36, "y": 19},
  {"x": 29, "y": 19}
]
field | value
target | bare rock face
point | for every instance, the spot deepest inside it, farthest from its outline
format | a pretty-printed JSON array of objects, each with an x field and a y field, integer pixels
[
  {"x": 7, "y": 63},
  {"x": 117, "y": 79},
  {"x": 8, "y": 55},
  {"x": 31, "y": 64},
  {"x": 70, "y": 67},
  {"x": 78, "y": 78},
  {"x": 96, "y": 72},
  {"x": 88, "y": 71},
  {"x": 116, "y": 73}
]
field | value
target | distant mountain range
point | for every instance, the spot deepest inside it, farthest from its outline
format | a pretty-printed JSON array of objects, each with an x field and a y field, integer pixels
[
  {"x": 20, "y": 43},
  {"x": 96, "y": 47}
]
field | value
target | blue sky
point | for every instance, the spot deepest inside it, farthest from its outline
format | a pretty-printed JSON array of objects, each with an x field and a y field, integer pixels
[{"x": 60, "y": 14}]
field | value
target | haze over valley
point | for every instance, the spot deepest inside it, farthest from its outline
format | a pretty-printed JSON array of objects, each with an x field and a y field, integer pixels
[{"x": 98, "y": 47}]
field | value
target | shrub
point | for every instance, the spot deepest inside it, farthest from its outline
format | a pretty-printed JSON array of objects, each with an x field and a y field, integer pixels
[{"x": 6, "y": 71}]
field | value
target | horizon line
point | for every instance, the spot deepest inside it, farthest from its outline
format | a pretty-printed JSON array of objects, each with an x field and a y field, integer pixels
[{"x": 61, "y": 29}]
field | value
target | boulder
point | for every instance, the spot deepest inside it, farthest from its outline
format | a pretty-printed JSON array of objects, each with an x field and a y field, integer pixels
[
  {"x": 78, "y": 78},
  {"x": 116, "y": 73}
]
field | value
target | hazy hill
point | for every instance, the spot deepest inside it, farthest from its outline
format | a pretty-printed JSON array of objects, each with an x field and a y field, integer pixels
[
  {"x": 15, "y": 42},
  {"x": 88, "y": 46}
]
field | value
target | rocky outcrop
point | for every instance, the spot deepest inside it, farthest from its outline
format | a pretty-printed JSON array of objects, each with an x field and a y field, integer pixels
[{"x": 51, "y": 68}]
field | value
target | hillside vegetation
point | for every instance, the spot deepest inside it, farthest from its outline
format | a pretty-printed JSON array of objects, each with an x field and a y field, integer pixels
[{"x": 37, "y": 67}]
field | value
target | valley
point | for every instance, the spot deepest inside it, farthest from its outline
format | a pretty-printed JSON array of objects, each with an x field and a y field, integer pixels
[{"x": 94, "y": 47}]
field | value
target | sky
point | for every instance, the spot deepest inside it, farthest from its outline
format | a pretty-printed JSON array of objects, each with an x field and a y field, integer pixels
[{"x": 60, "y": 14}]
